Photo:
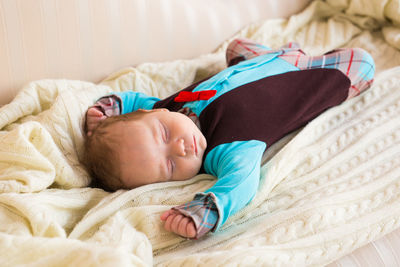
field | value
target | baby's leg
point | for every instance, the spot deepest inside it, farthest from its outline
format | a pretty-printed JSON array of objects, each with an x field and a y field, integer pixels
[
  {"x": 358, "y": 65},
  {"x": 242, "y": 49},
  {"x": 355, "y": 63}
]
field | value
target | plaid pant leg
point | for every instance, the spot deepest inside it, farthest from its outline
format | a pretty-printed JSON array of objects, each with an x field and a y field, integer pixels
[
  {"x": 243, "y": 49},
  {"x": 356, "y": 63}
]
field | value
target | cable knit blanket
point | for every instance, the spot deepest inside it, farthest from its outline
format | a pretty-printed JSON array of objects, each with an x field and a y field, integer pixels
[{"x": 325, "y": 190}]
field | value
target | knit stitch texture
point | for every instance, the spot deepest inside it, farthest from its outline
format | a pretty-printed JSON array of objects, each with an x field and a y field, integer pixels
[{"x": 325, "y": 190}]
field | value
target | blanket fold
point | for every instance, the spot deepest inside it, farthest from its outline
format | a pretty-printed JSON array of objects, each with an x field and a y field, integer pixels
[{"x": 325, "y": 190}]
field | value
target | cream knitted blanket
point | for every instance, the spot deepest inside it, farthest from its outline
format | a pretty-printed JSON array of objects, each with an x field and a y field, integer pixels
[{"x": 326, "y": 190}]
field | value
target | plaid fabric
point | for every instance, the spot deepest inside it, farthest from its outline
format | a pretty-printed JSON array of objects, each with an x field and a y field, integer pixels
[
  {"x": 243, "y": 49},
  {"x": 109, "y": 105},
  {"x": 203, "y": 211},
  {"x": 355, "y": 63}
]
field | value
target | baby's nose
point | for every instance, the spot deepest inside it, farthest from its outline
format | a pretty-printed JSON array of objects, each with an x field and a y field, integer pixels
[{"x": 179, "y": 148}]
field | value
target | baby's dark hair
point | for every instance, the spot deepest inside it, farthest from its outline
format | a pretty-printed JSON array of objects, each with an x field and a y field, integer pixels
[{"x": 102, "y": 157}]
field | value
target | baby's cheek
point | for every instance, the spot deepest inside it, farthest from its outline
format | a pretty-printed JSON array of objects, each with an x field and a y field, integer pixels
[
  {"x": 196, "y": 165},
  {"x": 187, "y": 169}
]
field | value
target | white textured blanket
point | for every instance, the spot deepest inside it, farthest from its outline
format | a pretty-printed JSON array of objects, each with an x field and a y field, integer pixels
[{"x": 325, "y": 190}]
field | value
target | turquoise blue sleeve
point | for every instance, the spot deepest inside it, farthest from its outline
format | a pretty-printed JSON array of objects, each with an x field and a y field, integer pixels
[
  {"x": 132, "y": 101},
  {"x": 237, "y": 167}
]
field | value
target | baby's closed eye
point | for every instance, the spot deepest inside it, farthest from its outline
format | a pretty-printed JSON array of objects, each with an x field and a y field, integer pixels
[{"x": 164, "y": 132}]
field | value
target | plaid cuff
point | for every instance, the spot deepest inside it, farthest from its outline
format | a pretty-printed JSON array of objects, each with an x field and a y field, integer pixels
[
  {"x": 243, "y": 49},
  {"x": 203, "y": 211},
  {"x": 110, "y": 105}
]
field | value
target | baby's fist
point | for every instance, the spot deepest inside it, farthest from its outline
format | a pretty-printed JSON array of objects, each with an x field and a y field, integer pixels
[
  {"x": 178, "y": 223},
  {"x": 93, "y": 118}
]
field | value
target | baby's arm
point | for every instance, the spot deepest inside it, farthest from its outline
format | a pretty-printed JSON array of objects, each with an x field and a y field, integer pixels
[
  {"x": 202, "y": 212},
  {"x": 104, "y": 107},
  {"x": 116, "y": 104},
  {"x": 237, "y": 166}
]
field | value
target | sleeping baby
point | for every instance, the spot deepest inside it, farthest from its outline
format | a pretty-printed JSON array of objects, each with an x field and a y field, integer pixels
[{"x": 220, "y": 126}]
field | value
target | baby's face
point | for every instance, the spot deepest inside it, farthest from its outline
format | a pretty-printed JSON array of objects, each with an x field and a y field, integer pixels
[{"x": 161, "y": 146}]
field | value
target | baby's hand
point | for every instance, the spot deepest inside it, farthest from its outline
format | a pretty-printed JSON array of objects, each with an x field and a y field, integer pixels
[
  {"x": 93, "y": 118},
  {"x": 178, "y": 223}
]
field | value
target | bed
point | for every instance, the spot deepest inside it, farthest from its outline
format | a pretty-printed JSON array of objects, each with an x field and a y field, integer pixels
[{"x": 329, "y": 192}]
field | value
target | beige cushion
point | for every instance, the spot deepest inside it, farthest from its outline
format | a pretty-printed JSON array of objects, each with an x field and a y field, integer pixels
[{"x": 89, "y": 39}]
